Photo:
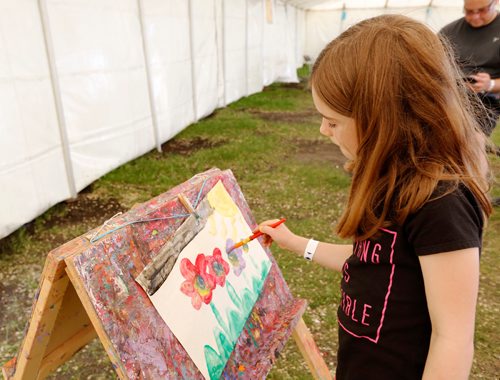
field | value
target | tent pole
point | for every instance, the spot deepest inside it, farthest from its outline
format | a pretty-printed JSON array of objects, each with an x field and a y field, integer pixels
[
  {"x": 296, "y": 38},
  {"x": 343, "y": 16},
  {"x": 246, "y": 47},
  {"x": 428, "y": 12},
  {"x": 288, "y": 47},
  {"x": 149, "y": 78},
  {"x": 223, "y": 42},
  {"x": 191, "y": 49},
  {"x": 217, "y": 49},
  {"x": 56, "y": 88},
  {"x": 263, "y": 27}
]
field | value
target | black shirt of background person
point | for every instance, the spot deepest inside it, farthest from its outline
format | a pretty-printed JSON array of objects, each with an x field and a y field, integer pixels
[{"x": 478, "y": 50}]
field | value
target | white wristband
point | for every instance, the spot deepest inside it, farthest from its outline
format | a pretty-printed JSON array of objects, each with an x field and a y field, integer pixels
[
  {"x": 310, "y": 249},
  {"x": 492, "y": 84}
]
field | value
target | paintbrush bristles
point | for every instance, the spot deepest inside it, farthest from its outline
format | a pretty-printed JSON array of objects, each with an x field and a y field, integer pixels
[{"x": 238, "y": 245}]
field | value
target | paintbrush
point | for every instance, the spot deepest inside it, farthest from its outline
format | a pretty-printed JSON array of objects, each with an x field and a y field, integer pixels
[{"x": 255, "y": 235}]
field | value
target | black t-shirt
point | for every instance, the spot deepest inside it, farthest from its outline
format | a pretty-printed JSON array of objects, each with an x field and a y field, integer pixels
[
  {"x": 384, "y": 323},
  {"x": 477, "y": 49}
]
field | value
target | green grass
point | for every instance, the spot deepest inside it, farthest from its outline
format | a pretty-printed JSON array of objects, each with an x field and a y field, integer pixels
[{"x": 262, "y": 139}]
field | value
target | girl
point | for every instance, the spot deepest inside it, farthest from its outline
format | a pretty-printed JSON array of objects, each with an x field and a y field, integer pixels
[{"x": 393, "y": 101}]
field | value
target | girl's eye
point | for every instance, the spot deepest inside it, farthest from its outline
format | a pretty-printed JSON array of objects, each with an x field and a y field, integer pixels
[{"x": 332, "y": 125}]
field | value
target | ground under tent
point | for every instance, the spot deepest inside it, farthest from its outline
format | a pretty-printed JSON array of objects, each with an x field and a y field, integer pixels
[{"x": 281, "y": 119}]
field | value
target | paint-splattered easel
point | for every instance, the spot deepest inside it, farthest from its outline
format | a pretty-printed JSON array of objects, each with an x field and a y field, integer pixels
[{"x": 87, "y": 289}]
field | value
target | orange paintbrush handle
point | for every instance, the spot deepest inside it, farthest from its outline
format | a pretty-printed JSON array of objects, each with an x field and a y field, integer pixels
[
  {"x": 274, "y": 225},
  {"x": 256, "y": 235}
]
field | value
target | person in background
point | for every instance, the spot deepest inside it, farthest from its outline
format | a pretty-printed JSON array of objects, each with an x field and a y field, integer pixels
[
  {"x": 391, "y": 97},
  {"x": 475, "y": 39}
]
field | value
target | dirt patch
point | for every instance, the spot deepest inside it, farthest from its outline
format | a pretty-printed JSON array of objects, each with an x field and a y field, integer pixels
[
  {"x": 287, "y": 117},
  {"x": 298, "y": 86},
  {"x": 302, "y": 85},
  {"x": 6, "y": 291},
  {"x": 319, "y": 151},
  {"x": 85, "y": 208},
  {"x": 186, "y": 147}
]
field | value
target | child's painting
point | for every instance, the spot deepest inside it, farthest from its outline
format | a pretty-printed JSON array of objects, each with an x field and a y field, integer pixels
[{"x": 209, "y": 294}]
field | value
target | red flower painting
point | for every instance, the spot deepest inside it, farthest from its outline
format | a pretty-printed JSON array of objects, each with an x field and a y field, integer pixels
[
  {"x": 199, "y": 283},
  {"x": 217, "y": 267}
]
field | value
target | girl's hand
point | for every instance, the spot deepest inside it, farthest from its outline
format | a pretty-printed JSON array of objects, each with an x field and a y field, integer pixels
[
  {"x": 330, "y": 256},
  {"x": 281, "y": 234}
]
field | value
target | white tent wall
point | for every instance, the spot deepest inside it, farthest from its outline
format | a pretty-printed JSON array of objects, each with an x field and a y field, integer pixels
[
  {"x": 205, "y": 56},
  {"x": 88, "y": 85},
  {"x": 368, "y": 5},
  {"x": 277, "y": 46},
  {"x": 300, "y": 37},
  {"x": 289, "y": 66},
  {"x": 437, "y": 17},
  {"x": 324, "y": 25},
  {"x": 100, "y": 63},
  {"x": 235, "y": 48},
  {"x": 256, "y": 20},
  {"x": 219, "y": 40},
  {"x": 32, "y": 170},
  {"x": 269, "y": 47},
  {"x": 167, "y": 35}
]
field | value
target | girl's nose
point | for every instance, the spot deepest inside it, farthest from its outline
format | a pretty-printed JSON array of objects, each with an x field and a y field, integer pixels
[{"x": 325, "y": 129}]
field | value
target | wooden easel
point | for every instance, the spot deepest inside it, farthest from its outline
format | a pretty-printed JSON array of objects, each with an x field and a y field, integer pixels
[
  {"x": 59, "y": 326},
  {"x": 63, "y": 320}
]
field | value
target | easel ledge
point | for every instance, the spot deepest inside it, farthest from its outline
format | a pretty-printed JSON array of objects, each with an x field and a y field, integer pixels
[{"x": 63, "y": 321}]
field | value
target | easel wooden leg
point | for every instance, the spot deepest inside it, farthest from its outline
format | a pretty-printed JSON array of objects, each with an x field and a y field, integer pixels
[
  {"x": 310, "y": 351},
  {"x": 44, "y": 315},
  {"x": 59, "y": 325},
  {"x": 65, "y": 351}
]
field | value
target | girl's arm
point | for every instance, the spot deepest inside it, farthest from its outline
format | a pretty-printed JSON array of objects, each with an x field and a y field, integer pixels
[
  {"x": 451, "y": 285},
  {"x": 331, "y": 256}
]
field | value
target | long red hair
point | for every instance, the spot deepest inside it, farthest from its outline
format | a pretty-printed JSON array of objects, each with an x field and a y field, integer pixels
[{"x": 415, "y": 121}]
